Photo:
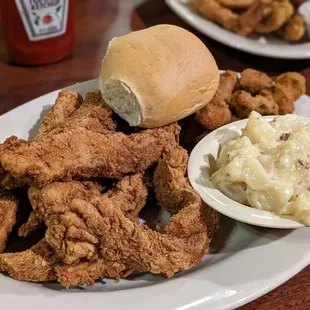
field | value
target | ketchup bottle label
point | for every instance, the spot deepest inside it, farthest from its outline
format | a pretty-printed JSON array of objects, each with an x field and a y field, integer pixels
[{"x": 43, "y": 19}]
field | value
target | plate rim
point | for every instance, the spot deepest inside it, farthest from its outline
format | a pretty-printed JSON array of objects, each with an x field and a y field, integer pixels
[{"x": 191, "y": 18}]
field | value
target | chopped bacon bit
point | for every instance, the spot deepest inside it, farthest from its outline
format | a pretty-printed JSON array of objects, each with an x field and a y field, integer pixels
[
  {"x": 305, "y": 163},
  {"x": 308, "y": 188},
  {"x": 285, "y": 136}
]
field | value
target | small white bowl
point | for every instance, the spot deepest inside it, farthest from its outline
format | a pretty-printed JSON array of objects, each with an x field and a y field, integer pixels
[
  {"x": 202, "y": 164},
  {"x": 304, "y": 11}
]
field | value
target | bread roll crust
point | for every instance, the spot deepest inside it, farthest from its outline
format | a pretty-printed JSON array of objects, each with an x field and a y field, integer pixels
[{"x": 156, "y": 76}]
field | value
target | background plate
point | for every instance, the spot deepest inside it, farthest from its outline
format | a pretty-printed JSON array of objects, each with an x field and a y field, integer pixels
[
  {"x": 269, "y": 46},
  {"x": 246, "y": 262}
]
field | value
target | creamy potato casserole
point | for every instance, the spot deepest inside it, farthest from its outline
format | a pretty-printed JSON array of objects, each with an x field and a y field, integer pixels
[{"x": 268, "y": 166}]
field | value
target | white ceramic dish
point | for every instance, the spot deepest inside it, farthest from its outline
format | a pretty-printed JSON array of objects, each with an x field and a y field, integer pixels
[
  {"x": 201, "y": 165},
  {"x": 269, "y": 46},
  {"x": 245, "y": 265}
]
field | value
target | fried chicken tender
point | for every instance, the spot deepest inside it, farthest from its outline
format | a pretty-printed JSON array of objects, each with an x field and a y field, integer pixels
[
  {"x": 87, "y": 272},
  {"x": 254, "y": 81},
  {"x": 217, "y": 113},
  {"x": 93, "y": 114},
  {"x": 66, "y": 103},
  {"x": 129, "y": 193},
  {"x": 244, "y": 103},
  {"x": 98, "y": 229},
  {"x": 8, "y": 209},
  {"x": 248, "y": 20},
  {"x": 35, "y": 264},
  {"x": 67, "y": 154},
  {"x": 175, "y": 195},
  {"x": 236, "y": 4},
  {"x": 214, "y": 11},
  {"x": 294, "y": 29},
  {"x": 281, "y": 11}
]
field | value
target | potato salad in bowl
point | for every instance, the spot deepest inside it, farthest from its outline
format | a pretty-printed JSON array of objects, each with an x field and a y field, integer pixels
[{"x": 268, "y": 166}]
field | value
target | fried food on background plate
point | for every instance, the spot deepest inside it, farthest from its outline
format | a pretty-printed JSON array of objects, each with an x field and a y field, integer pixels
[
  {"x": 255, "y": 90},
  {"x": 254, "y": 81},
  {"x": 248, "y": 20},
  {"x": 217, "y": 13},
  {"x": 216, "y": 113},
  {"x": 236, "y": 4},
  {"x": 243, "y": 103},
  {"x": 281, "y": 11},
  {"x": 294, "y": 29},
  {"x": 8, "y": 209}
]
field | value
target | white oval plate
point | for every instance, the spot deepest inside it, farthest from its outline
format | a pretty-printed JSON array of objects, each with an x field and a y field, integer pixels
[
  {"x": 248, "y": 261},
  {"x": 269, "y": 46},
  {"x": 201, "y": 165}
]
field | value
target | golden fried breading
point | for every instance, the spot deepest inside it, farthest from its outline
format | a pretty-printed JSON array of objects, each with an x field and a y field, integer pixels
[
  {"x": 248, "y": 20},
  {"x": 87, "y": 272},
  {"x": 254, "y": 81},
  {"x": 93, "y": 114},
  {"x": 33, "y": 223},
  {"x": 8, "y": 209},
  {"x": 216, "y": 113},
  {"x": 54, "y": 198},
  {"x": 169, "y": 180},
  {"x": 175, "y": 195},
  {"x": 281, "y": 11},
  {"x": 294, "y": 29},
  {"x": 35, "y": 264},
  {"x": 214, "y": 11},
  {"x": 243, "y": 103},
  {"x": 236, "y": 4},
  {"x": 67, "y": 154},
  {"x": 294, "y": 81},
  {"x": 66, "y": 103},
  {"x": 98, "y": 231}
]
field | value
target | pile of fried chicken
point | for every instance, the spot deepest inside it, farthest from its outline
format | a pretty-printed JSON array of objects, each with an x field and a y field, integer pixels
[
  {"x": 89, "y": 177},
  {"x": 87, "y": 182},
  {"x": 262, "y": 16}
]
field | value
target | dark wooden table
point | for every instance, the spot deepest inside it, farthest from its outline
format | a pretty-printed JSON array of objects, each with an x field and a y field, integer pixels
[{"x": 97, "y": 23}]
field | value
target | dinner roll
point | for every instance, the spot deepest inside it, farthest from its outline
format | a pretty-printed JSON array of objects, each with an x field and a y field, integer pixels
[{"x": 157, "y": 76}]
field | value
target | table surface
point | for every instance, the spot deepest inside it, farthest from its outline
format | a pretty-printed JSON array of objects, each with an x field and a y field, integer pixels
[{"x": 97, "y": 23}]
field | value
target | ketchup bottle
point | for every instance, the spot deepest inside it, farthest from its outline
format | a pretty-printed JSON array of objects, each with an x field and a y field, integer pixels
[{"x": 38, "y": 32}]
